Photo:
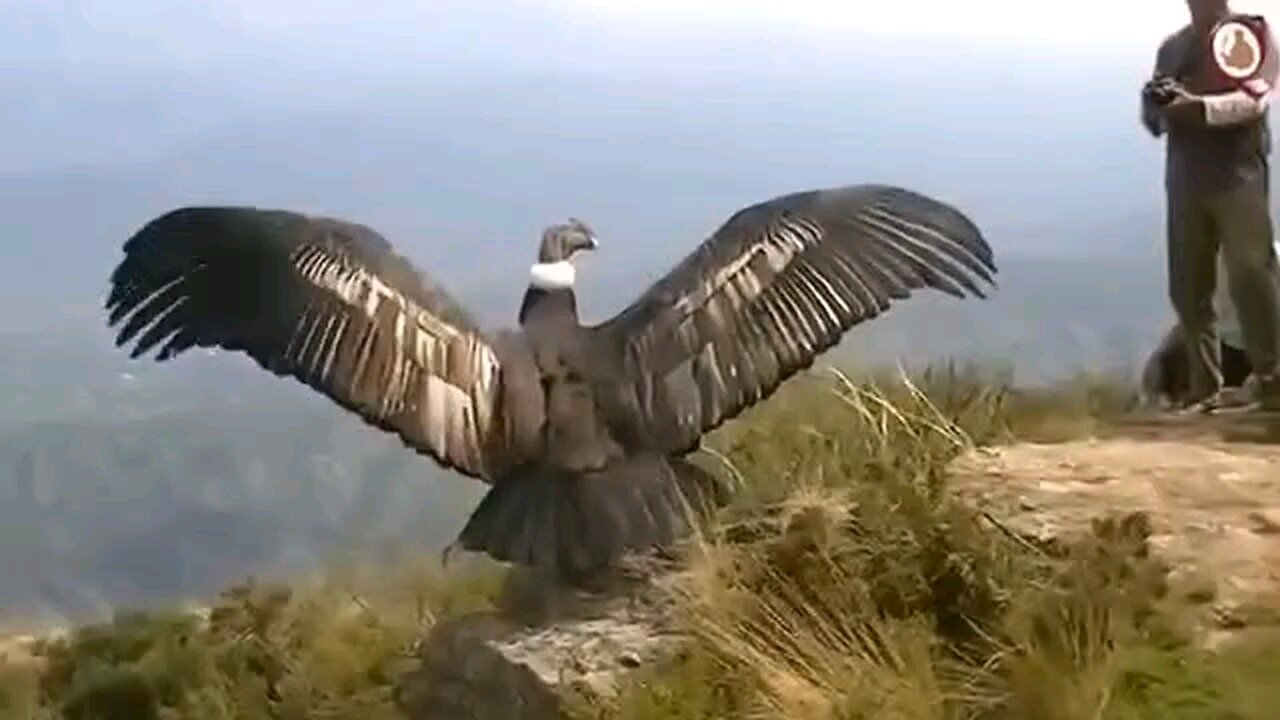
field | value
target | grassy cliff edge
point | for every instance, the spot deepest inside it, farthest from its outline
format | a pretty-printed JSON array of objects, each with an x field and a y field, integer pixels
[{"x": 845, "y": 580}]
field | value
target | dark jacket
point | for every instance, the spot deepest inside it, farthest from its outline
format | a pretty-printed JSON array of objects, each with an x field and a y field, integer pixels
[{"x": 1201, "y": 159}]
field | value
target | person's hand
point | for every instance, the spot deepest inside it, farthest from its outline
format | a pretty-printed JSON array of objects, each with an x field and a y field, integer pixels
[
  {"x": 1179, "y": 95},
  {"x": 1177, "y": 104},
  {"x": 1163, "y": 90}
]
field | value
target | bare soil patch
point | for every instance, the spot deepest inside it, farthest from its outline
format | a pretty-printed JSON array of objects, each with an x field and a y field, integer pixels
[{"x": 1213, "y": 499}]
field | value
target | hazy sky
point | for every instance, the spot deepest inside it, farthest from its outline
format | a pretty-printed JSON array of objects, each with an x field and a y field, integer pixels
[
  {"x": 574, "y": 33},
  {"x": 1083, "y": 22}
]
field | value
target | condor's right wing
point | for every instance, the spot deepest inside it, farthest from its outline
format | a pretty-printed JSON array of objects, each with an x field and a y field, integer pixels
[{"x": 326, "y": 302}]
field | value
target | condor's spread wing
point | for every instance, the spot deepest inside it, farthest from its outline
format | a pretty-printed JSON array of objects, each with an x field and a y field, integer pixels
[
  {"x": 324, "y": 301},
  {"x": 773, "y": 287}
]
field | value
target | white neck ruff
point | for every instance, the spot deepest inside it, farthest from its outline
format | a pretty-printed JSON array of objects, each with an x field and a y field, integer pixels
[{"x": 552, "y": 276}]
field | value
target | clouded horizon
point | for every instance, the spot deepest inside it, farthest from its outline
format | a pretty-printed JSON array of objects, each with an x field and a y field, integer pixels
[{"x": 402, "y": 36}]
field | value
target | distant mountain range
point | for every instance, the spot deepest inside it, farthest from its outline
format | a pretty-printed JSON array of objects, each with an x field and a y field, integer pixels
[{"x": 97, "y": 513}]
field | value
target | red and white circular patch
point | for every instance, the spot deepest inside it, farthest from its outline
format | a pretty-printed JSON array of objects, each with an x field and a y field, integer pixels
[{"x": 1238, "y": 50}]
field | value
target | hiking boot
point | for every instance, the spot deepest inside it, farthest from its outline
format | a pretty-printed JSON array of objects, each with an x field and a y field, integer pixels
[
  {"x": 1203, "y": 406},
  {"x": 1236, "y": 396},
  {"x": 1262, "y": 395},
  {"x": 1267, "y": 393}
]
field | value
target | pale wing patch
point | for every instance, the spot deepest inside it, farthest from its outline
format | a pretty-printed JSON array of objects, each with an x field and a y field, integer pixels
[
  {"x": 778, "y": 245},
  {"x": 709, "y": 373},
  {"x": 446, "y": 377}
]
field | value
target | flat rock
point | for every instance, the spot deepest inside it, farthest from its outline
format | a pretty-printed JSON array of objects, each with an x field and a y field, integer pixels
[{"x": 489, "y": 666}]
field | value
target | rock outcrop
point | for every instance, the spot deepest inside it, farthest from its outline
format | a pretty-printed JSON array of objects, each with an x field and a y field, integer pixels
[
  {"x": 541, "y": 648},
  {"x": 1214, "y": 506}
]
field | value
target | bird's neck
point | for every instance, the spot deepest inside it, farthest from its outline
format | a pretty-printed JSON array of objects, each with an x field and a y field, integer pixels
[{"x": 550, "y": 297}]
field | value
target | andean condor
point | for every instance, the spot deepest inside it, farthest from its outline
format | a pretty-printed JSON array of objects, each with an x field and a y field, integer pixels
[{"x": 581, "y": 431}]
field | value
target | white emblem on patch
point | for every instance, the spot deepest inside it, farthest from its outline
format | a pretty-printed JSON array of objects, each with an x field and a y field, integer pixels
[{"x": 1237, "y": 50}]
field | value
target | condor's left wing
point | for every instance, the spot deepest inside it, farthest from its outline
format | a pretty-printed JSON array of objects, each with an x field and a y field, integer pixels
[{"x": 773, "y": 287}]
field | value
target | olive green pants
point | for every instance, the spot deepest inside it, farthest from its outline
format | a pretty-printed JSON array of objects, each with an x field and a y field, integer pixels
[{"x": 1237, "y": 222}]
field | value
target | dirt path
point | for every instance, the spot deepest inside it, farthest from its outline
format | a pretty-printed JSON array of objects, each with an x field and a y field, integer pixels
[{"x": 1214, "y": 501}]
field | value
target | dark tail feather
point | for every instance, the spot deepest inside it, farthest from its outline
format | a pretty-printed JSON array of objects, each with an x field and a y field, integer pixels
[{"x": 575, "y": 524}]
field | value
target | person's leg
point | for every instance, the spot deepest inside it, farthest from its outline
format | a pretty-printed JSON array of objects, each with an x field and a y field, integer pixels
[
  {"x": 1235, "y": 366},
  {"x": 1192, "y": 258},
  {"x": 1164, "y": 377},
  {"x": 1243, "y": 220}
]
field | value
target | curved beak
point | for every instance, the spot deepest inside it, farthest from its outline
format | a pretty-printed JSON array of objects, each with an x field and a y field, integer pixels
[{"x": 581, "y": 245}]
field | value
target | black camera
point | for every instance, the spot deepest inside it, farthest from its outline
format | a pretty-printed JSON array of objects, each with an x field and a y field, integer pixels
[{"x": 1161, "y": 90}]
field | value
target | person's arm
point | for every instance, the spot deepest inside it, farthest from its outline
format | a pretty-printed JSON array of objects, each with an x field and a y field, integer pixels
[
  {"x": 1152, "y": 118},
  {"x": 1234, "y": 108},
  {"x": 1217, "y": 109}
]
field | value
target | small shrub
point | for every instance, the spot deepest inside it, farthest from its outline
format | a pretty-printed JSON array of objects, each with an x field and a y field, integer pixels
[{"x": 265, "y": 651}]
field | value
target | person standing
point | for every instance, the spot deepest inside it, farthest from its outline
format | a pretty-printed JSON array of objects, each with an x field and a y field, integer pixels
[{"x": 1217, "y": 198}]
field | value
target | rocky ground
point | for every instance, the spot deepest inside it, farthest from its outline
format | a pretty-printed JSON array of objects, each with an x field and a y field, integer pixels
[{"x": 1211, "y": 488}]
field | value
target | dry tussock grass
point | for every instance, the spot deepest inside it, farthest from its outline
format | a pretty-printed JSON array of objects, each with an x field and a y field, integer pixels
[{"x": 843, "y": 581}]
